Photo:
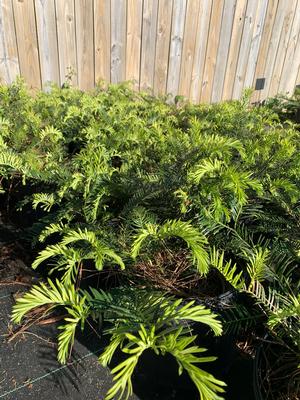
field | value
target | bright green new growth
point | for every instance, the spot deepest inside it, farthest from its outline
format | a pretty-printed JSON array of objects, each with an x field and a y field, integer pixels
[
  {"x": 119, "y": 181},
  {"x": 142, "y": 320},
  {"x": 194, "y": 239}
]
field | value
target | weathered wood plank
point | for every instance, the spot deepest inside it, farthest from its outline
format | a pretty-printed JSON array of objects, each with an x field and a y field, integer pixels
[
  {"x": 293, "y": 76},
  {"x": 255, "y": 42},
  {"x": 212, "y": 50},
  {"x": 282, "y": 47},
  {"x": 84, "y": 16},
  {"x": 118, "y": 40},
  {"x": 179, "y": 9},
  {"x": 148, "y": 44},
  {"x": 9, "y": 62},
  {"x": 290, "y": 62},
  {"x": 235, "y": 41},
  {"x": 223, "y": 50},
  {"x": 27, "y": 42},
  {"x": 102, "y": 40},
  {"x": 162, "y": 46},
  {"x": 188, "y": 50},
  {"x": 65, "y": 20},
  {"x": 264, "y": 44},
  {"x": 252, "y": 8},
  {"x": 47, "y": 41},
  {"x": 134, "y": 39},
  {"x": 273, "y": 46},
  {"x": 200, "y": 49}
]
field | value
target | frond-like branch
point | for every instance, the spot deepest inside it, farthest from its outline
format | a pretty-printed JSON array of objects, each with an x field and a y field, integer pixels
[{"x": 194, "y": 239}]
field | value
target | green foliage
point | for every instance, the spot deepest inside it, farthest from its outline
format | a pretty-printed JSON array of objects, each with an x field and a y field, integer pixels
[
  {"x": 194, "y": 239},
  {"x": 141, "y": 320},
  {"x": 116, "y": 177},
  {"x": 55, "y": 295},
  {"x": 226, "y": 268},
  {"x": 287, "y": 107},
  {"x": 69, "y": 258}
]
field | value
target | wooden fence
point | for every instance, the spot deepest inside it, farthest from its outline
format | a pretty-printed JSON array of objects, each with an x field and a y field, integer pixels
[{"x": 207, "y": 50}]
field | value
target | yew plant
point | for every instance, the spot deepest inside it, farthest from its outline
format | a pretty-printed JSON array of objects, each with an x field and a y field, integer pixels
[{"x": 118, "y": 182}]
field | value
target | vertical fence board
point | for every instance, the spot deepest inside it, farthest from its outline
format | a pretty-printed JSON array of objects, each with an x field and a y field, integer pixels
[
  {"x": 178, "y": 18},
  {"x": 235, "y": 41},
  {"x": 188, "y": 50},
  {"x": 200, "y": 49},
  {"x": 47, "y": 40},
  {"x": 224, "y": 44},
  {"x": 134, "y": 37},
  {"x": 293, "y": 76},
  {"x": 148, "y": 44},
  {"x": 162, "y": 46},
  {"x": 118, "y": 40},
  {"x": 27, "y": 42},
  {"x": 255, "y": 42},
  {"x": 9, "y": 62},
  {"x": 282, "y": 47},
  {"x": 65, "y": 20},
  {"x": 102, "y": 39},
  {"x": 264, "y": 44},
  {"x": 84, "y": 17},
  {"x": 245, "y": 45},
  {"x": 284, "y": 86},
  {"x": 273, "y": 46},
  {"x": 212, "y": 50}
]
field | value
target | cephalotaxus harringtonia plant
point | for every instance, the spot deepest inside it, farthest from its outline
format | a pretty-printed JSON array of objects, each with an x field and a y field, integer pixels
[
  {"x": 209, "y": 194},
  {"x": 140, "y": 319}
]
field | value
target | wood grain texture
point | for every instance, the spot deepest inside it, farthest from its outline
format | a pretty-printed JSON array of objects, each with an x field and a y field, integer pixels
[
  {"x": 282, "y": 47},
  {"x": 206, "y": 50},
  {"x": 9, "y": 61},
  {"x": 47, "y": 41},
  {"x": 264, "y": 45},
  {"x": 162, "y": 46},
  {"x": 293, "y": 76},
  {"x": 249, "y": 23},
  {"x": 281, "y": 15},
  {"x": 212, "y": 50},
  {"x": 285, "y": 85},
  {"x": 134, "y": 40},
  {"x": 255, "y": 42},
  {"x": 178, "y": 21},
  {"x": 26, "y": 34},
  {"x": 65, "y": 20},
  {"x": 188, "y": 50},
  {"x": 85, "y": 43},
  {"x": 235, "y": 41},
  {"x": 200, "y": 49},
  {"x": 118, "y": 40},
  {"x": 102, "y": 39},
  {"x": 150, "y": 11},
  {"x": 223, "y": 50}
]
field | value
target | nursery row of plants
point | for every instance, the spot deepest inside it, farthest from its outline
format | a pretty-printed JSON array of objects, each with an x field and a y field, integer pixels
[{"x": 152, "y": 221}]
